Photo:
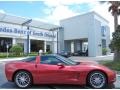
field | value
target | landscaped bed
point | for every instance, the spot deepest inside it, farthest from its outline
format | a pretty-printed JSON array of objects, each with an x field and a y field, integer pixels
[{"x": 115, "y": 65}]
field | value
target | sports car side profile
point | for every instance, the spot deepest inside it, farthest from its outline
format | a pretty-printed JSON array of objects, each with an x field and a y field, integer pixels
[{"x": 55, "y": 69}]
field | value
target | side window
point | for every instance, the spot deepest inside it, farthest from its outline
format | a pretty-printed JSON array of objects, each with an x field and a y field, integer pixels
[
  {"x": 49, "y": 60},
  {"x": 30, "y": 59}
]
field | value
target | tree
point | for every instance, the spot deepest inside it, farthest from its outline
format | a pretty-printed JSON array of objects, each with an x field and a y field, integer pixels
[
  {"x": 16, "y": 50},
  {"x": 115, "y": 43},
  {"x": 115, "y": 10}
]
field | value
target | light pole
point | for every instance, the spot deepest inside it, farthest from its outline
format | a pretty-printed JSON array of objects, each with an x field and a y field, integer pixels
[
  {"x": 57, "y": 41},
  {"x": 26, "y": 24},
  {"x": 7, "y": 46}
]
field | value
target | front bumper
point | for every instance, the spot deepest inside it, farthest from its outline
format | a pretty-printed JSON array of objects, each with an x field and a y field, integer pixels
[{"x": 112, "y": 77}]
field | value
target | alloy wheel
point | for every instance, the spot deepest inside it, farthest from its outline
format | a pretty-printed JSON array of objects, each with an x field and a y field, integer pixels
[{"x": 23, "y": 79}]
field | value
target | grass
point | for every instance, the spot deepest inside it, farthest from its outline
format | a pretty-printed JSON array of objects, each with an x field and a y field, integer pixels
[
  {"x": 4, "y": 55},
  {"x": 115, "y": 65}
]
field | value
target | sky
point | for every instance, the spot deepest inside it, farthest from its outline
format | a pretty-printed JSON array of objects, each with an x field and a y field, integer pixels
[{"x": 52, "y": 11}]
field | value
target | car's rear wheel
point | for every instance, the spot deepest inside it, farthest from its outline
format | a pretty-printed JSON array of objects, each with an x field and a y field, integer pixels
[
  {"x": 23, "y": 79},
  {"x": 97, "y": 79}
]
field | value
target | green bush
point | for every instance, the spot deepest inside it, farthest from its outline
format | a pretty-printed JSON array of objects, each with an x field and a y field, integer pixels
[
  {"x": 104, "y": 51},
  {"x": 33, "y": 54},
  {"x": 115, "y": 43},
  {"x": 49, "y": 52},
  {"x": 3, "y": 55},
  {"x": 16, "y": 50},
  {"x": 115, "y": 65}
]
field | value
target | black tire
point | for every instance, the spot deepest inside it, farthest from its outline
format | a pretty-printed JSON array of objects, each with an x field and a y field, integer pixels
[
  {"x": 97, "y": 80},
  {"x": 23, "y": 79}
]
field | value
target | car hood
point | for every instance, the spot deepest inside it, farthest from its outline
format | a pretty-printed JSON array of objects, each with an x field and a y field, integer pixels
[{"x": 90, "y": 65}]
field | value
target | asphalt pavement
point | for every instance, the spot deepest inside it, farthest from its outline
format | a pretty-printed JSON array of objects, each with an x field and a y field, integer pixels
[{"x": 4, "y": 84}]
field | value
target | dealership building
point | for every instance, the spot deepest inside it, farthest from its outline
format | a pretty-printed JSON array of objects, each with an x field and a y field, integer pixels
[
  {"x": 14, "y": 30},
  {"x": 88, "y": 32}
]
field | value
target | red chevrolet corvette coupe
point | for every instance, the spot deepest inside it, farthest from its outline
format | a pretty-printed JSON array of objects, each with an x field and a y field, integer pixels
[{"x": 55, "y": 69}]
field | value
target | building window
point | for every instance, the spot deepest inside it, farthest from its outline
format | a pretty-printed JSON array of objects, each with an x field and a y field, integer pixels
[
  {"x": 4, "y": 42},
  {"x": 103, "y": 31},
  {"x": 47, "y": 48},
  {"x": 103, "y": 43}
]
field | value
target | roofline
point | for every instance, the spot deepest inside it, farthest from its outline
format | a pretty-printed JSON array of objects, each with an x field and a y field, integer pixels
[
  {"x": 90, "y": 12},
  {"x": 100, "y": 16},
  {"x": 27, "y": 18},
  {"x": 20, "y": 24}
]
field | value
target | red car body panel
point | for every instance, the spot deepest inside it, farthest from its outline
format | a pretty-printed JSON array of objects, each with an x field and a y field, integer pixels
[{"x": 54, "y": 74}]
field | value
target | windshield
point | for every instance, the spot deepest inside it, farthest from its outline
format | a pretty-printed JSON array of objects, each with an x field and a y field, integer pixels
[{"x": 66, "y": 60}]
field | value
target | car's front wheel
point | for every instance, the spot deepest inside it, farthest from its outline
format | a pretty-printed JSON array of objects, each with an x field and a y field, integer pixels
[
  {"x": 97, "y": 79},
  {"x": 23, "y": 79}
]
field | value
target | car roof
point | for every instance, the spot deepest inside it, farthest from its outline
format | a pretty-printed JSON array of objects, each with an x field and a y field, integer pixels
[{"x": 49, "y": 55}]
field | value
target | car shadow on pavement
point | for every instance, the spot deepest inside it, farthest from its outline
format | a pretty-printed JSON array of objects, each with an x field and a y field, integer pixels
[
  {"x": 8, "y": 85},
  {"x": 11, "y": 85}
]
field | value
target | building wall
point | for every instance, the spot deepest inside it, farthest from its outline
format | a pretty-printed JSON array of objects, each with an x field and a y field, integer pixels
[
  {"x": 100, "y": 22},
  {"x": 86, "y": 26},
  {"x": 76, "y": 27},
  {"x": 60, "y": 39}
]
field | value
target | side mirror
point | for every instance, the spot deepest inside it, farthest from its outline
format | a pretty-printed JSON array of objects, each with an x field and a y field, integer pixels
[{"x": 61, "y": 65}]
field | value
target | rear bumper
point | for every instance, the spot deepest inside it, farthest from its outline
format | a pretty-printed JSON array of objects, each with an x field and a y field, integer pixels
[{"x": 8, "y": 73}]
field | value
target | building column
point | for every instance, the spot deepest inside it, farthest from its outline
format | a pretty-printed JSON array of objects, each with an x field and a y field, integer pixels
[
  {"x": 25, "y": 46},
  {"x": 29, "y": 45},
  {"x": 72, "y": 46},
  {"x": 55, "y": 47},
  {"x": 13, "y": 41},
  {"x": 44, "y": 46},
  {"x": 94, "y": 40},
  {"x": 60, "y": 39},
  {"x": 81, "y": 45}
]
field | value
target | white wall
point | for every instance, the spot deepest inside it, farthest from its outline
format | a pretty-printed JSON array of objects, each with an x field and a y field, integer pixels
[{"x": 76, "y": 27}]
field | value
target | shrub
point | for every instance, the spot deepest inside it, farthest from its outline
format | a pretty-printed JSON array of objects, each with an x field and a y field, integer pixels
[
  {"x": 112, "y": 64},
  {"x": 16, "y": 50},
  {"x": 49, "y": 52},
  {"x": 104, "y": 51},
  {"x": 115, "y": 43},
  {"x": 33, "y": 54}
]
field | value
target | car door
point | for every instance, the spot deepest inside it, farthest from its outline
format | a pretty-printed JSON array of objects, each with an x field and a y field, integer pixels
[
  {"x": 50, "y": 72},
  {"x": 48, "y": 69}
]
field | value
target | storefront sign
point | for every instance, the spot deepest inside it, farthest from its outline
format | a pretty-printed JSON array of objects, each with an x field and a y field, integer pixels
[{"x": 26, "y": 32}]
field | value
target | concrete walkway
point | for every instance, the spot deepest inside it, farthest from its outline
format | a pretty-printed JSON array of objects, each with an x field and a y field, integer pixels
[
  {"x": 11, "y": 59},
  {"x": 76, "y": 58},
  {"x": 98, "y": 58}
]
